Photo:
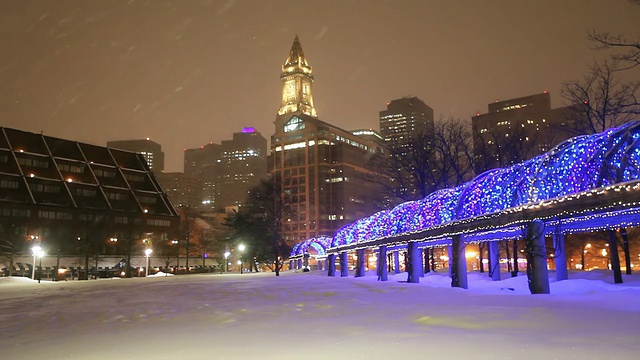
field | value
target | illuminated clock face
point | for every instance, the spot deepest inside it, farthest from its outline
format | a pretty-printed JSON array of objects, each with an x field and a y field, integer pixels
[{"x": 290, "y": 89}]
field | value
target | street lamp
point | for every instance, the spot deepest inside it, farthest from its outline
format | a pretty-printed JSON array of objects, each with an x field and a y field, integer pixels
[
  {"x": 226, "y": 261},
  {"x": 40, "y": 255},
  {"x": 241, "y": 248},
  {"x": 148, "y": 252},
  {"x": 36, "y": 249}
]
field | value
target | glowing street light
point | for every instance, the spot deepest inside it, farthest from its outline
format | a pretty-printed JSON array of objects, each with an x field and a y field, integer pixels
[
  {"x": 36, "y": 250},
  {"x": 148, "y": 252},
  {"x": 226, "y": 260},
  {"x": 241, "y": 248}
]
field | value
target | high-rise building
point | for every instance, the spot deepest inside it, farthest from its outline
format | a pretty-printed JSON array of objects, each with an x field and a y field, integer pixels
[
  {"x": 518, "y": 129},
  {"x": 150, "y": 150},
  {"x": 404, "y": 118},
  {"x": 201, "y": 164},
  {"x": 182, "y": 189},
  {"x": 243, "y": 162},
  {"x": 228, "y": 170},
  {"x": 321, "y": 168}
]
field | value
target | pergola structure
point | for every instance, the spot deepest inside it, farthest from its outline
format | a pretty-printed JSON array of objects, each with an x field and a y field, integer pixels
[{"x": 587, "y": 183}]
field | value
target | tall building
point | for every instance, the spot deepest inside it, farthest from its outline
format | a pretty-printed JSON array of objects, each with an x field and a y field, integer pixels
[
  {"x": 518, "y": 129},
  {"x": 201, "y": 164},
  {"x": 403, "y": 118},
  {"x": 243, "y": 163},
  {"x": 150, "y": 150},
  {"x": 321, "y": 168},
  {"x": 228, "y": 170},
  {"x": 182, "y": 189}
]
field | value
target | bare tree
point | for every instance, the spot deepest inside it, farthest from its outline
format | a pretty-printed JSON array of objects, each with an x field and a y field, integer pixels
[
  {"x": 404, "y": 168},
  {"x": 630, "y": 49},
  {"x": 600, "y": 100},
  {"x": 453, "y": 148}
]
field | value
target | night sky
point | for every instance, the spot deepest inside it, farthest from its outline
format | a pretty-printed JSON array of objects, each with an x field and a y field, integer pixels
[{"x": 185, "y": 73}]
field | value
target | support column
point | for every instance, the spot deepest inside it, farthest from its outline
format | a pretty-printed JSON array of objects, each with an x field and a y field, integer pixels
[
  {"x": 360, "y": 263},
  {"x": 414, "y": 263},
  {"x": 320, "y": 263},
  {"x": 537, "y": 272},
  {"x": 560, "y": 257},
  {"x": 299, "y": 264},
  {"x": 331, "y": 265},
  {"x": 459, "y": 264},
  {"x": 427, "y": 261},
  {"x": 344, "y": 264},
  {"x": 290, "y": 264},
  {"x": 450, "y": 255},
  {"x": 383, "y": 274},
  {"x": 396, "y": 262},
  {"x": 494, "y": 260},
  {"x": 305, "y": 262}
]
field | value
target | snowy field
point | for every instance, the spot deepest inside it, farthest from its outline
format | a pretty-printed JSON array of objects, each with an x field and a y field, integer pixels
[{"x": 312, "y": 316}]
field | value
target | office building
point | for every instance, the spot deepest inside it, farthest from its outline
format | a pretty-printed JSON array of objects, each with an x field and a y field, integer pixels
[
  {"x": 321, "y": 168},
  {"x": 405, "y": 118},
  {"x": 228, "y": 170},
  {"x": 183, "y": 190},
  {"x": 518, "y": 129},
  {"x": 65, "y": 193},
  {"x": 150, "y": 150}
]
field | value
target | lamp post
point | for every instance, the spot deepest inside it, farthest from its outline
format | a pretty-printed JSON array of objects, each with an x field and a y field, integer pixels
[
  {"x": 35, "y": 250},
  {"x": 241, "y": 248},
  {"x": 148, "y": 252},
  {"x": 175, "y": 242},
  {"x": 40, "y": 255},
  {"x": 226, "y": 261}
]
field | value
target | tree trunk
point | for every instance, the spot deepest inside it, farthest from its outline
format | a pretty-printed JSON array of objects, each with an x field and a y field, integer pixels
[
  {"x": 481, "y": 256},
  {"x": 625, "y": 248},
  {"x": 514, "y": 273},
  {"x": 508, "y": 252},
  {"x": 615, "y": 259}
]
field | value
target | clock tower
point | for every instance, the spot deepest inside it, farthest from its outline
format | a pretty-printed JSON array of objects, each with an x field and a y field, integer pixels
[{"x": 297, "y": 83}]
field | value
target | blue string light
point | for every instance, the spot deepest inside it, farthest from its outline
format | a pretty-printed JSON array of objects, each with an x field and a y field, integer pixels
[{"x": 577, "y": 165}]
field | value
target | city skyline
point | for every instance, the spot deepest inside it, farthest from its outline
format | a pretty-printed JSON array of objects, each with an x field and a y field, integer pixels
[{"x": 180, "y": 73}]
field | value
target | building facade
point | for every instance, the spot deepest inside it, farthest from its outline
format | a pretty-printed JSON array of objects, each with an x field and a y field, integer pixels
[
  {"x": 150, "y": 150},
  {"x": 228, "y": 170},
  {"x": 75, "y": 198},
  {"x": 518, "y": 129},
  {"x": 404, "y": 118},
  {"x": 321, "y": 169},
  {"x": 182, "y": 189}
]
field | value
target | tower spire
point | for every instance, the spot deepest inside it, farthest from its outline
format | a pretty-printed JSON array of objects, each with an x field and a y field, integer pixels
[
  {"x": 296, "y": 80},
  {"x": 296, "y": 56}
]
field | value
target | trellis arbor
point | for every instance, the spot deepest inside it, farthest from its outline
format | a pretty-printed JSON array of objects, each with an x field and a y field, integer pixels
[{"x": 587, "y": 183}]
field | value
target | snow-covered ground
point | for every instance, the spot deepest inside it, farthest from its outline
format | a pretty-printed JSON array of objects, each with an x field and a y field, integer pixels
[{"x": 312, "y": 316}]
